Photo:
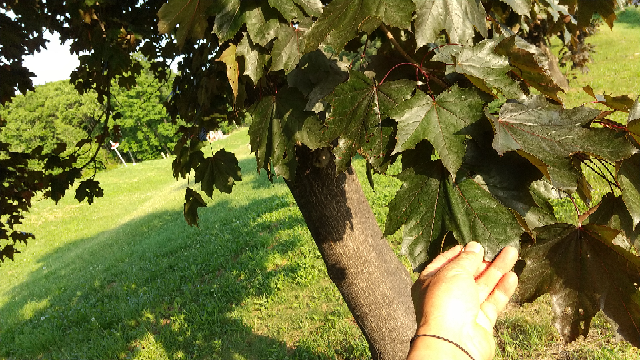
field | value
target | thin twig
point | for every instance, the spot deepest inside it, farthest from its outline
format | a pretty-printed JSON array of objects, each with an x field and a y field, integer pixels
[{"x": 404, "y": 54}]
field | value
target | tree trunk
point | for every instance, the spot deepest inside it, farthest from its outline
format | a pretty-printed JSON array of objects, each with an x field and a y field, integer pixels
[{"x": 373, "y": 282}]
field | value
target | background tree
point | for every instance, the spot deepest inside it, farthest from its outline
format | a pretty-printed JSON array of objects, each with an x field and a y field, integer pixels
[
  {"x": 145, "y": 127},
  {"x": 419, "y": 99},
  {"x": 53, "y": 113}
]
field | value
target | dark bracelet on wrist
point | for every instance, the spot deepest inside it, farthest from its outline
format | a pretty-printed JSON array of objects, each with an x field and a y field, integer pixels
[{"x": 443, "y": 339}]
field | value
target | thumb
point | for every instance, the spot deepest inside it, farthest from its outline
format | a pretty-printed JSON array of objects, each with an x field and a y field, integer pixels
[{"x": 469, "y": 260}]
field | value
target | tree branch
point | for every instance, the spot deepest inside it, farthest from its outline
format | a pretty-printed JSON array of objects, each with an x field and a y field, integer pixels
[{"x": 404, "y": 54}]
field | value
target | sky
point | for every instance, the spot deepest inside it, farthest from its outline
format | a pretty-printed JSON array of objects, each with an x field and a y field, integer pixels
[{"x": 53, "y": 64}]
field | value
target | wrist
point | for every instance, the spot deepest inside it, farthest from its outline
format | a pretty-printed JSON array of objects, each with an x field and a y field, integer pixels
[{"x": 436, "y": 348}]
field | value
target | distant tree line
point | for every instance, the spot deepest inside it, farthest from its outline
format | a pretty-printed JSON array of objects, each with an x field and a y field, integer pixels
[{"x": 55, "y": 113}]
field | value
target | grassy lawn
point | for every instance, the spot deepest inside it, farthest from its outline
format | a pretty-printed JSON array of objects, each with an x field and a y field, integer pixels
[{"x": 127, "y": 278}]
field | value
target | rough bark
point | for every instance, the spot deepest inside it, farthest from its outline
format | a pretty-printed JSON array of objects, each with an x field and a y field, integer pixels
[{"x": 373, "y": 282}]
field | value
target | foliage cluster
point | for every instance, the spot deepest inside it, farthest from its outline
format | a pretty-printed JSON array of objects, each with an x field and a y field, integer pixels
[{"x": 420, "y": 98}]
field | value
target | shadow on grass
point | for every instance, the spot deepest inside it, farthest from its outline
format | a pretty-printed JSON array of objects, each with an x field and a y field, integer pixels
[{"x": 156, "y": 287}]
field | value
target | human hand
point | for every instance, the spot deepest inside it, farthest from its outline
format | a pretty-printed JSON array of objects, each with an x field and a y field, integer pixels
[{"x": 458, "y": 296}]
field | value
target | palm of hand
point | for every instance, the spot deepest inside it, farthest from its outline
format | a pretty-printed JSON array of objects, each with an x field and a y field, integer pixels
[{"x": 458, "y": 296}]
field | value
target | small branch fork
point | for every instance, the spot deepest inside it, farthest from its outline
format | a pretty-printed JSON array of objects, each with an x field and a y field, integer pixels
[{"x": 410, "y": 60}]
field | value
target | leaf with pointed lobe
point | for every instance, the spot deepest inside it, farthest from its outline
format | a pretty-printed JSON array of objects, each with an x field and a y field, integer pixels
[
  {"x": 228, "y": 57},
  {"x": 522, "y": 7},
  {"x": 220, "y": 170},
  {"x": 587, "y": 8},
  {"x": 482, "y": 66},
  {"x": 621, "y": 103},
  {"x": 584, "y": 272},
  {"x": 255, "y": 58},
  {"x": 420, "y": 206},
  {"x": 230, "y": 16},
  {"x": 429, "y": 204},
  {"x": 88, "y": 189},
  {"x": 189, "y": 15},
  {"x": 530, "y": 64},
  {"x": 287, "y": 49},
  {"x": 612, "y": 212},
  {"x": 342, "y": 20},
  {"x": 629, "y": 179},
  {"x": 442, "y": 121},
  {"x": 552, "y": 134},
  {"x": 316, "y": 76},
  {"x": 457, "y": 17},
  {"x": 358, "y": 107},
  {"x": 495, "y": 174},
  {"x": 279, "y": 122},
  {"x": 192, "y": 201},
  {"x": 297, "y": 9},
  {"x": 262, "y": 24},
  {"x": 475, "y": 215}
]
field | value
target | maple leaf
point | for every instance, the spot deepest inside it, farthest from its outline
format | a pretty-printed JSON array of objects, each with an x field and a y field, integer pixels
[
  {"x": 358, "y": 108},
  {"x": 255, "y": 58},
  {"x": 88, "y": 189},
  {"x": 341, "y": 20},
  {"x": 421, "y": 207},
  {"x": 262, "y": 24},
  {"x": 442, "y": 121},
  {"x": 279, "y": 122},
  {"x": 287, "y": 49},
  {"x": 457, "y": 17},
  {"x": 293, "y": 9},
  {"x": 220, "y": 170},
  {"x": 316, "y": 76},
  {"x": 190, "y": 15},
  {"x": 629, "y": 179},
  {"x": 192, "y": 201},
  {"x": 521, "y": 191},
  {"x": 228, "y": 57},
  {"x": 548, "y": 135},
  {"x": 584, "y": 272},
  {"x": 429, "y": 204},
  {"x": 530, "y": 64},
  {"x": 482, "y": 66},
  {"x": 230, "y": 16},
  {"x": 621, "y": 103},
  {"x": 586, "y": 9},
  {"x": 522, "y": 7},
  {"x": 612, "y": 212}
]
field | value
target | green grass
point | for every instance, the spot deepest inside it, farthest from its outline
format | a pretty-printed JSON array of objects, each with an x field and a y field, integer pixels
[
  {"x": 126, "y": 278},
  {"x": 615, "y": 68}
]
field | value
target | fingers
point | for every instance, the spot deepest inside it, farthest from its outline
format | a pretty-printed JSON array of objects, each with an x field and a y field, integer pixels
[
  {"x": 441, "y": 260},
  {"x": 495, "y": 271},
  {"x": 469, "y": 261},
  {"x": 497, "y": 300}
]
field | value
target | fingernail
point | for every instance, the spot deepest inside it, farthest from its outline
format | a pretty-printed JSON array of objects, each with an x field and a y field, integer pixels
[{"x": 473, "y": 247}]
